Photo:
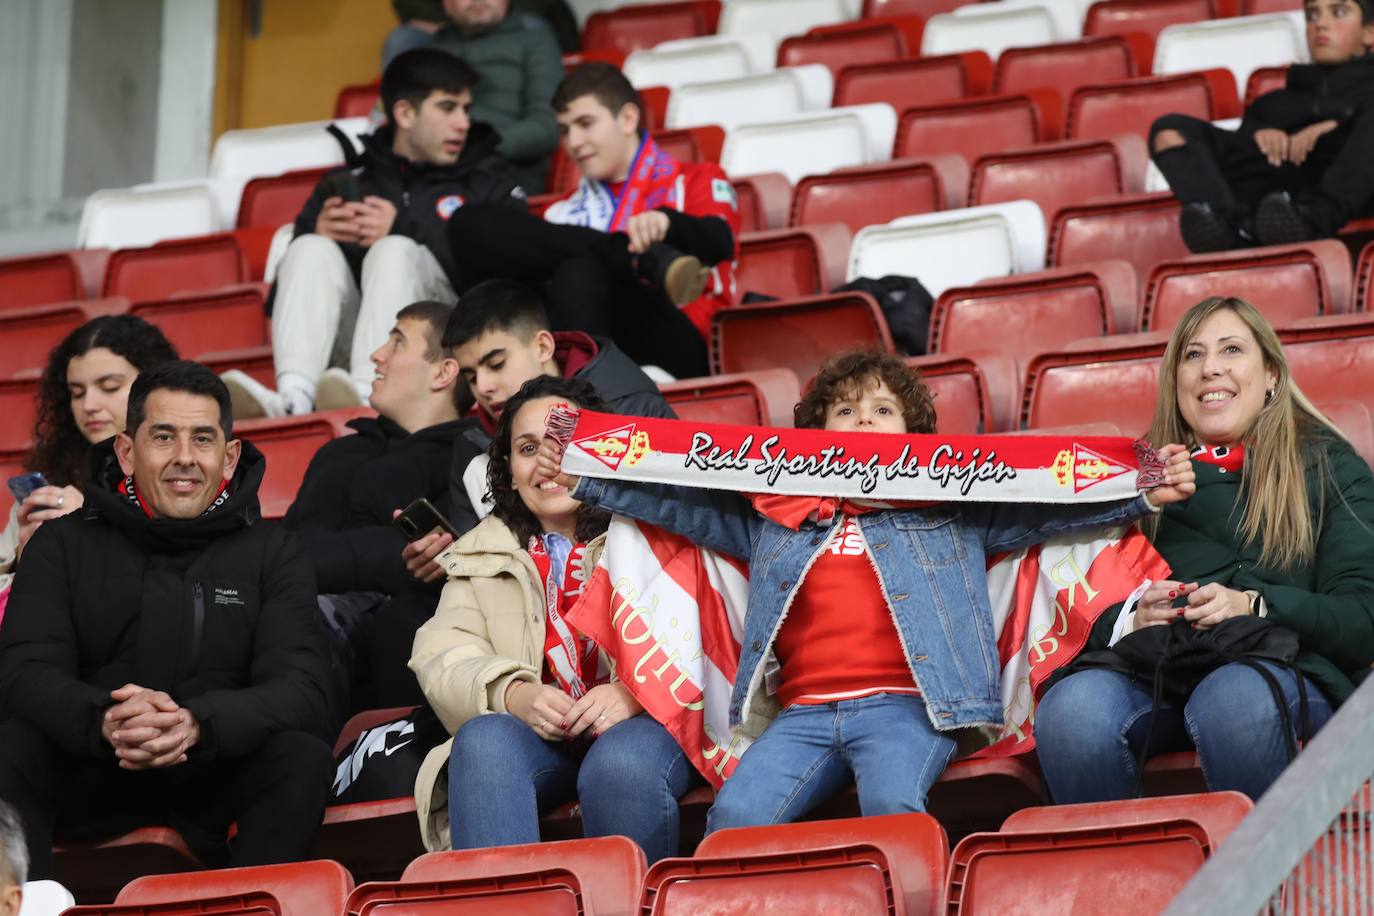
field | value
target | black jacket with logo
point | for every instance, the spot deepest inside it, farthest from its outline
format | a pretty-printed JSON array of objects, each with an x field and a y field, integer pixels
[
  {"x": 425, "y": 195},
  {"x": 1312, "y": 93},
  {"x": 218, "y": 611}
]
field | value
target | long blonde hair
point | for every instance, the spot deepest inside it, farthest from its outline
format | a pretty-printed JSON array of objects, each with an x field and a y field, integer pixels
[{"x": 1274, "y": 479}]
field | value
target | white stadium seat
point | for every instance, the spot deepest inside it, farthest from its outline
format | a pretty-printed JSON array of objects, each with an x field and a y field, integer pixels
[
  {"x": 130, "y": 218},
  {"x": 673, "y": 67},
  {"x": 779, "y": 18},
  {"x": 760, "y": 49},
  {"x": 729, "y": 103},
  {"x": 1242, "y": 45},
  {"x": 272, "y": 150},
  {"x": 1067, "y": 15},
  {"x": 811, "y": 143},
  {"x": 991, "y": 28},
  {"x": 953, "y": 247}
]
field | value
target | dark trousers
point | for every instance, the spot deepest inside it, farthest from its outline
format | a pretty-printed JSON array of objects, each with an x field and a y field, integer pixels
[
  {"x": 390, "y": 639},
  {"x": 276, "y": 794},
  {"x": 1227, "y": 170},
  {"x": 587, "y": 278}
]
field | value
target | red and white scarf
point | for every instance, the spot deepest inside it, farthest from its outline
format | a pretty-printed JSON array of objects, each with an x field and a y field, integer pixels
[
  {"x": 128, "y": 488},
  {"x": 652, "y": 183},
  {"x": 572, "y": 661}
]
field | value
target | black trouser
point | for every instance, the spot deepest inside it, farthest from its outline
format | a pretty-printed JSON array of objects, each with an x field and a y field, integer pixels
[
  {"x": 391, "y": 638},
  {"x": 1227, "y": 170},
  {"x": 276, "y": 794},
  {"x": 588, "y": 280}
]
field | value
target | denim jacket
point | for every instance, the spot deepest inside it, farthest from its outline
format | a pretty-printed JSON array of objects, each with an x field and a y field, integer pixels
[{"x": 931, "y": 565}]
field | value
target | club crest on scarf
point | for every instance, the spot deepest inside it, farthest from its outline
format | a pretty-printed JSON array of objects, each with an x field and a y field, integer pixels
[{"x": 1082, "y": 467}]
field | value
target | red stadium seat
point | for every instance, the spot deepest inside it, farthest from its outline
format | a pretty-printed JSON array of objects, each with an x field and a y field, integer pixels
[
  {"x": 609, "y": 869},
  {"x": 973, "y": 127},
  {"x": 1055, "y": 175},
  {"x": 27, "y": 334},
  {"x": 19, "y": 407},
  {"x": 289, "y": 443},
  {"x": 1130, "y": 106},
  {"x": 978, "y": 794},
  {"x": 1264, "y": 80},
  {"x": 1332, "y": 358},
  {"x": 871, "y": 194},
  {"x": 1364, "y": 278},
  {"x": 254, "y": 361},
  {"x": 915, "y": 844},
  {"x": 878, "y": 9},
  {"x": 1065, "y": 67},
  {"x": 1126, "y": 869},
  {"x": 655, "y": 99},
  {"x": 763, "y": 397},
  {"x": 1141, "y": 229},
  {"x": 39, "y": 280},
  {"x": 212, "y": 321},
  {"x": 171, "y": 267},
  {"x": 796, "y": 334},
  {"x": 276, "y": 200},
  {"x": 359, "y": 100},
  {"x": 801, "y": 261},
  {"x": 1216, "y": 812},
  {"x": 1286, "y": 283},
  {"x": 319, "y": 886},
  {"x": 631, "y": 28},
  {"x": 1115, "y": 380},
  {"x": 578, "y": 58},
  {"x": 962, "y": 406},
  {"x": 838, "y": 46},
  {"x": 1261, "y": 7},
  {"x": 368, "y": 718},
  {"x": 763, "y": 201},
  {"x": 1117, "y": 17},
  {"x": 97, "y": 869},
  {"x": 1356, "y": 423},
  {"x": 914, "y": 82},
  {"x": 548, "y": 892},
  {"x": 856, "y": 878},
  {"x": 253, "y": 903}
]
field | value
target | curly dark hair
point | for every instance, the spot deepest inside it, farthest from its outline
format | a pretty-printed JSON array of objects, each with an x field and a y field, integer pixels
[
  {"x": 841, "y": 374},
  {"x": 509, "y": 507},
  {"x": 59, "y": 448}
]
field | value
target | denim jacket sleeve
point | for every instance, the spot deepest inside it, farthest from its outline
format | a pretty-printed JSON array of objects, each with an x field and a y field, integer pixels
[
  {"x": 721, "y": 521},
  {"x": 1011, "y": 526}
]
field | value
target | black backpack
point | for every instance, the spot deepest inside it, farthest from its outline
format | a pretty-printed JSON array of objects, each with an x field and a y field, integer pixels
[{"x": 384, "y": 760}]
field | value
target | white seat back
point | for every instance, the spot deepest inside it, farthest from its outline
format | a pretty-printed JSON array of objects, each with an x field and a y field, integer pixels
[
  {"x": 1242, "y": 45},
  {"x": 760, "y": 50},
  {"x": 953, "y": 247},
  {"x": 674, "y": 67},
  {"x": 126, "y": 218},
  {"x": 779, "y": 18},
  {"x": 733, "y": 102},
  {"x": 1067, "y": 15},
  {"x": 263, "y": 151},
  {"x": 811, "y": 143},
  {"x": 989, "y": 27}
]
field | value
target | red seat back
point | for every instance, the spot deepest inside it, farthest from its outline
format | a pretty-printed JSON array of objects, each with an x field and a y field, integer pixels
[
  {"x": 320, "y": 886},
  {"x": 764, "y": 200},
  {"x": 19, "y": 407},
  {"x": 837, "y": 47},
  {"x": 39, "y": 280},
  {"x": 962, "y": 405},
  {"x": 867, "y": 195},
  {"x": 1115, "y": 381},
  {"x": 797, "y": 334},
  {"x": 1117, "y": 17},
  {"x": 787, "y": 263},
  {"x": 358, "y": 101},
  {"x": 1064, "y": 67},
  {"x": 763, "y": 397},
  {"x": 1131, "y": 106},
  {"x": 915, "y": 844},
  {"x": 1140, "y": 229},
  {"x": 547, "y": 892},
  {"x": 630, "y": 28},
  {"x": 878, "y": 9},
  {"x": 255, "y": 362},
  {"x": 1263, "y": 80},
  {"x": 1355, "y": 421},
  {"x": 28, "y": 334},
  {"x": 914, "y": 82},
  {"x": 1286, "y": 283},
  {"x": 171, "y": 267},
  {"x": 1333, "y": 358},
  {"x": 211, "y": 321},
  {"x": 1053, "y": 175},
  {"x": 289, "y": 444},
  {"x": 1217, "y": 812},
  {"x": 970, "y": 128},
  {"x": 277, "y": 200}
]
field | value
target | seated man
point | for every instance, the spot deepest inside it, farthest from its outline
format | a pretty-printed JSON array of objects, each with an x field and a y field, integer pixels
[
  {"x": 501, "y": 339},
  {"x": 162, "y": 660},
  {"x": 371, "y": 238},
  {"x": 622, "y": 255},
  {"x": 1298, "y": 167}
]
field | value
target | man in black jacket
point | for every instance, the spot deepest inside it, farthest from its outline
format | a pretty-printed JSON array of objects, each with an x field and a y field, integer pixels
[
  {"x": 373, "y": 238},
  {"x": 162, "y": 659},
  {"x": 1298, "y": 166}
]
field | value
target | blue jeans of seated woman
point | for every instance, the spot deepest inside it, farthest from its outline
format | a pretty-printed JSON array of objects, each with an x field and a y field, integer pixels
[
  {"x": 1091, "y": 726},
  {"x": 884, "y": 742},
  {"x": 502, "y": 777}
]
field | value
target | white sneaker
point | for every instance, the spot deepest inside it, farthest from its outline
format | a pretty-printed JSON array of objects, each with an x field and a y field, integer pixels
[
  {"x": 251, "y": 398},
  {"x": 335, "y": 390}
]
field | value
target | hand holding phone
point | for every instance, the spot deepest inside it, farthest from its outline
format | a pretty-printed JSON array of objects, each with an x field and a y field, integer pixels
[
  {"x": 421, "y": 518},
  {"x": 23, "y": 485}
]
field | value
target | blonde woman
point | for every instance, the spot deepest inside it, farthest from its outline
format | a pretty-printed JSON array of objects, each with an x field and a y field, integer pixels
[{"x": 1281, "y": 526}]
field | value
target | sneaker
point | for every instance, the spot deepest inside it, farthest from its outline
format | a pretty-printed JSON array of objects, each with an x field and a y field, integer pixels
[
  {"x": 682, "y": 277},
  {"x": 1205, "y": 230},
  {"x": 1279, "y": 220},
  {"x": 335, "y": 390},
  {"x": 250, "y": 398}
]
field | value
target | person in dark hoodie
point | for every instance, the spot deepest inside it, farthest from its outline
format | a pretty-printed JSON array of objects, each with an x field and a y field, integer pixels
[
  {"x": 372, "y": 238},
  {"x": 162, "y": 660},
  {"x": 1298, "y": 166},
  {"x": 501, "y": 339}
]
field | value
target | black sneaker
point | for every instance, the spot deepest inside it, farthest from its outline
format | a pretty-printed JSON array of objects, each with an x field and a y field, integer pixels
[
  {"x": 1279, "y": 220},
  {"x": 682, "y": 277},
  {"x": 1205, "y": 230}
]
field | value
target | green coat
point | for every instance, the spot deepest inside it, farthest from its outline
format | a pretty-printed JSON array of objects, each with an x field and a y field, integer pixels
[
  {"x": 519, "y": 67},
  {"x": 1329, "y": 603}
]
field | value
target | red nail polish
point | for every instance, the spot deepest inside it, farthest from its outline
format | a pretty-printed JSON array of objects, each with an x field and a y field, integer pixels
[
  {"x": 1180, "y": 612},
  {"x": 1173, "y": 594}
]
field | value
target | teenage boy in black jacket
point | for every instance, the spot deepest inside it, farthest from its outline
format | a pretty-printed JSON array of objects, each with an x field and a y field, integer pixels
[
  {"x": 1298, "y": 167},
  {"x": 353, "y": 264},
  {"x": 162, "y": 659}
]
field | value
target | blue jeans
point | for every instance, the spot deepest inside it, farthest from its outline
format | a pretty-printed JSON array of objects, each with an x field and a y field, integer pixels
[
  {"x": 884, "y": 742},
  {"x": 502, "y": 777},
  {"x": 1091, "y": 727}
]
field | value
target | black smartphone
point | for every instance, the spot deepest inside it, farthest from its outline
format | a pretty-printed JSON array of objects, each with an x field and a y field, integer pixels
[
  {"x": 22, "y": 485},
  {"x": 345, "y": 185},
  {"x": 420, "y": 518}
]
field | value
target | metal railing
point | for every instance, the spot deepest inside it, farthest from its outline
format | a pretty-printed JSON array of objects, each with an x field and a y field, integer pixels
[{"x": 1306, "y": 848}]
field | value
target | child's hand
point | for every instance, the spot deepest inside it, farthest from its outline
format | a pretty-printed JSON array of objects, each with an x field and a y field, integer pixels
[
  {"x": 1274, "y": 144},
  {"x": 1179, "y": 480},
  {"x": 1301, "y": 144},
  {"x": 549, "y": 461}
]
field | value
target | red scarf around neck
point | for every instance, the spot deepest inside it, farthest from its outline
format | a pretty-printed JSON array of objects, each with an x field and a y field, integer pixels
[
  {"x": 1230, "y": 458},
  {"x": 128, "y": 488}
]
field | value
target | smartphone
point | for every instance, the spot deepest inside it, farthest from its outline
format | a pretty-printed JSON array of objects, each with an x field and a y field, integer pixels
[
  {"x": 345, "y": 185},
  {"x": 421, "y": 518},
  {"x": 22, "y": 485}
]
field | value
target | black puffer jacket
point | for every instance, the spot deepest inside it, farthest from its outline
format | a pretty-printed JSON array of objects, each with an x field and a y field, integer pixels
[
  {"x": 480, "y": 175},
  {"x": 1314, "y": 92},
  {"x": 218, "y": 611}
]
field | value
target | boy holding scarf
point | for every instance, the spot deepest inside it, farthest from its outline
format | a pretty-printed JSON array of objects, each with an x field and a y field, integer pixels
[{"x": 641, "y": 251}]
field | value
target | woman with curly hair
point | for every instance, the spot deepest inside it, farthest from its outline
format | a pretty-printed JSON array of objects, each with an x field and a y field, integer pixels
[
  {"x": 538, "y": 717},
  {"x": 81, "y": 401}
]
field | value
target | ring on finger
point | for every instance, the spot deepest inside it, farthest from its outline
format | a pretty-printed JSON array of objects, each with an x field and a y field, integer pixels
[
  {"x": 61, "y": 498},
  {"x": 543, "y": 725}
]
